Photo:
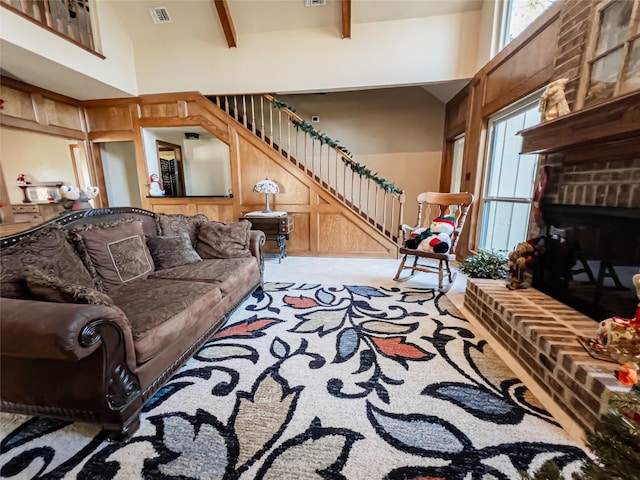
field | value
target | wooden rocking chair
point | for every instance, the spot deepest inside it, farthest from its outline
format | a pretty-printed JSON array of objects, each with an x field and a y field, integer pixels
[{"x": 431, "y": 205}]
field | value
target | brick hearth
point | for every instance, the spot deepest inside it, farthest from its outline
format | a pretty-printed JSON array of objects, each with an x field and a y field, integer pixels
[{"x": 541, "y": 333}]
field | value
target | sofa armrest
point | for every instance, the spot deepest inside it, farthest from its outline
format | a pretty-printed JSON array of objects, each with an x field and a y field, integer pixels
[
  {"x": 256, "y": 241},
  {"x": 58, "y": 331}
]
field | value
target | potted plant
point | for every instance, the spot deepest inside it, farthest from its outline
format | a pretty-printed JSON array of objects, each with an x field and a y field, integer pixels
[{"x": 485, "y": 265}]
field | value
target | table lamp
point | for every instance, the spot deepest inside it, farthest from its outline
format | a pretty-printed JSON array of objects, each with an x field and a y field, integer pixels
[{"x": 268, "y": 187}]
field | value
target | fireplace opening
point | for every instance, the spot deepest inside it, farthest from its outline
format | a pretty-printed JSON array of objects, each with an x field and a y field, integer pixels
[{"x": 590, "y": 256}]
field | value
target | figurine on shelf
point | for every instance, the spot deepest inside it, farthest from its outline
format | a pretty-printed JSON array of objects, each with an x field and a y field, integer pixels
[
  {"x": 553, "y": 103},
  {"x": 155, "y": 186},
  {"x": 21, "y": 180}
]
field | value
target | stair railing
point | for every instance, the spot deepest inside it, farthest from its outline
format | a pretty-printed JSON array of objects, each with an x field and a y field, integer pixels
[{"x": 328, "y": 164}]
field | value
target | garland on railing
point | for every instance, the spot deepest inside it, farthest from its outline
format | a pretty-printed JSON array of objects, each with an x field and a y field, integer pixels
[{"x": 361, "y": 170}]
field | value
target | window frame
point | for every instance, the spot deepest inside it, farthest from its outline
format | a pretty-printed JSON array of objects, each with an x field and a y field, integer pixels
[
  {"x": 591, "y": 57},
  {"x": 511, "y": 110}
]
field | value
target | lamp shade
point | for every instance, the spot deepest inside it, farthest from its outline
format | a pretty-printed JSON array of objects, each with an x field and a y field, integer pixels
[{"x": 267, "y": 186}]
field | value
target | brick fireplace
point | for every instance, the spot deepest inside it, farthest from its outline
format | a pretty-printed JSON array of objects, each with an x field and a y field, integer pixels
[{"x": 594, "y": 177}]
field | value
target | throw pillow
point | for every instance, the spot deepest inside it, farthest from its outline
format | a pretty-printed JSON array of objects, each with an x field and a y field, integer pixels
[
  {"x": 223, "y": 240},
  {"x": 172, "y": 251},
  {"x": 116, "y": 251},
  {"x": 49, "y": 250},
  {"x": 55, "y": 289},
  {"x": 177, "y": 224}
]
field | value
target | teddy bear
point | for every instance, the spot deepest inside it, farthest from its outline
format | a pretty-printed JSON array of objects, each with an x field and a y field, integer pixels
[
  {"x": 436, "y": 238},
  {"x": 521, "y": 266}
]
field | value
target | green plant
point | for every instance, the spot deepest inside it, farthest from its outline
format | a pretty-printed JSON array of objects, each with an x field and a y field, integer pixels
[{"x": 485, "y": 265}]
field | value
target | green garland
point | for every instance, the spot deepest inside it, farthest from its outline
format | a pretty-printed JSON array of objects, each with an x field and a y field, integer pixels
[{"x": 361, "y": 170}]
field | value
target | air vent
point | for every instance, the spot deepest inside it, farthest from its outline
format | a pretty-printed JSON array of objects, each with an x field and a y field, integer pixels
[
  {"x": 159, "y": 15},
  {"x": 315, "y": 3}
]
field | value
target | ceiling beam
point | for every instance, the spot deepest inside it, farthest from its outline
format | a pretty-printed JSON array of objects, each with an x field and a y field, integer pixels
[
  {"x": 346, "y": 18},
  {"x": 222, "y": 6}
]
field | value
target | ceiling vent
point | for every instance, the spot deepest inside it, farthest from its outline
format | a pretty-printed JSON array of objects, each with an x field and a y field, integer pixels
[
  {"x": 315, "y": 3},
  {"x": 160, "y": 15}
]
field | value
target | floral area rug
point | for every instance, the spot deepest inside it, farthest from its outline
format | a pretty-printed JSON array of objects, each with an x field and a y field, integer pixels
[{"x": 318, "y": 382}]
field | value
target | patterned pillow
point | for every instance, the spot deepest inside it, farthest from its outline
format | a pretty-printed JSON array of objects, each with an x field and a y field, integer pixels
[
  {"x": 116, "y": 251},
  {"x": 223, "y": 240},
  {"x": 54, "y": 289},
  {"x": 49, "y": 250},
  {"x": 172, "y": 251},
  {"x": 178, "y": 224}
]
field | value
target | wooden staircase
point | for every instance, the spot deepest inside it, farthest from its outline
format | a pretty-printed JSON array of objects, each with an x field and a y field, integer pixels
[{"x": 330, "y": 166}]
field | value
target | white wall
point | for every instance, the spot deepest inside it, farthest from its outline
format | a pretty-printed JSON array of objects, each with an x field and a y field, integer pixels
[
  {"x": 399, "y": 52},
  {"x": 43, "y": 158},
  {"x": 120, "y": 175},
  {"x": 207, "y": 167}
]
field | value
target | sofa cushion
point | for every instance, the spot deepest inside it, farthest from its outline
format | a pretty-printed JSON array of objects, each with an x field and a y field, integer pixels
[
  {"x": 229, "y": 274},
  {"x": 172, "y": 251},
  {"x": 117, "y": 251},
  {"x": 161, "y": 310},
  {"x": 178, "y": 224},
  {"x": 50, "y": 251},
  {"x": 223, "y": 240},
  {"x": 54, "y": 289}
]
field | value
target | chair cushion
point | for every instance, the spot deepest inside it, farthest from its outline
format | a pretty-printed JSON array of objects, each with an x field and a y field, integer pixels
[
  {"x": 54, "y": 289},
  {"x": 160, "y": 310},
  {"x": 116, "y": 251},
  {"x": 178, "y": 224},
  {"x": 228, "y": 273},
  {"x": 223, "y": 240},
  {"x": 172, "y": 251},
  {"x": 49, "y": 250}
]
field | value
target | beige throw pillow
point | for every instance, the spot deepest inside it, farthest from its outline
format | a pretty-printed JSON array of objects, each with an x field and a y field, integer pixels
[
  {"x": 117, "y": 251},
  {"x": 223, "y": 240}
]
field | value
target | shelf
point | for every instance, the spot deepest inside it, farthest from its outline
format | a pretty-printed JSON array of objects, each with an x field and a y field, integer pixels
[{"x": 614, "y": 123}]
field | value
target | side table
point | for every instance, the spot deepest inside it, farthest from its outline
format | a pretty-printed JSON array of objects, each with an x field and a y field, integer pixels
[{"x": 276, "y": 228}]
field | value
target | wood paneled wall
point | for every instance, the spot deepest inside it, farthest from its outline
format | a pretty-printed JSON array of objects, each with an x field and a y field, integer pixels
[
  {"x": 524, "y": 66},
  {"x": 323, "y": 226}
]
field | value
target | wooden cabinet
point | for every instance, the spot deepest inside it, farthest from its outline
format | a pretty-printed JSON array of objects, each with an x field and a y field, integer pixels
[{"x": 36, "y": 213}]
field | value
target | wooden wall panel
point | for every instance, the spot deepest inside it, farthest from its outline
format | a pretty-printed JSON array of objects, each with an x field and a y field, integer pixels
[
  {"x": 339, "y": 235},
  {"x": 526, "y": 70},
  {"x": 300, "y": 239},
  {"x": 62, "y": 114},
  {"x": 108, "y": 118},
  {"x": 17, "y": 103},
  {"x": 159, "y": 110},
  {"x": 456, "y": 114},
  {"x": 218, "y": 213}
]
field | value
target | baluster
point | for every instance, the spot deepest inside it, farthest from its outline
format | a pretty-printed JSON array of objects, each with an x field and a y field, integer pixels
[
  {"x": 288, "y": 137},
  {"x": 280, "y": 131},
  {"x": 375, "y": 204},
  {"x": 77, "y": 21},
  {"x": 235, "y": 107},
  {"x": 344, "y": 180},
  {"x": 262, "y": 115},
  {"x": 271, "y": 125},
  {"x": 244, "y": 110},
  {"x": 67, "y": 16},
  {"x": 253, "y": 116},
  {"x": 47, "y": 14},
  {"x": 393, "y": 207},
  {"x": 87, "y": 21},
  {"x": 368, "y": 193},
  {"x": 384, "y": 210},
  {"x": 336, "y": 171},
  {"x": 226, "y": 104}
]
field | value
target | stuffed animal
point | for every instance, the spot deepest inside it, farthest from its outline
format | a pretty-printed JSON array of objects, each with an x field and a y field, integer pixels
[
  {"x": 614, "y": 330},
  {"x": 436, "y": 238},
  {"x": 521, "y": 266},
  {"x": 553, "y": 103},
  {"x": 155, "y": 186}
]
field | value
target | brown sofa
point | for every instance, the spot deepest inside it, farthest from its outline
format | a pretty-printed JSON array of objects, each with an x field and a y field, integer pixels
[{"x": 90, "y": 336}]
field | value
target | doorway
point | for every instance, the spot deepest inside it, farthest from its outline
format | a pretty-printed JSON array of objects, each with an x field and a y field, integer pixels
[{"x": 120, "y": 174}]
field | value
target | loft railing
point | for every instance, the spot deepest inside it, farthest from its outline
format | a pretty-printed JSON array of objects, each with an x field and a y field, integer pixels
[
  {"x": 68, "y": 18},
  {"x": 330, "y": 165}
]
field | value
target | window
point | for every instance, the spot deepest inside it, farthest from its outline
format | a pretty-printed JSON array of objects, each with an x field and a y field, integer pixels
[
  {"x": 614, "y": 63},
  {"x": 509, "y": 178},
  {"x": 456, "y": 168},
  {"x": 517, "y": 16}
]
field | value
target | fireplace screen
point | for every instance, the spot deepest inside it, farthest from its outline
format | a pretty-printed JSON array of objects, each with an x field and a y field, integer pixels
[{"x": 590, "y": 257}]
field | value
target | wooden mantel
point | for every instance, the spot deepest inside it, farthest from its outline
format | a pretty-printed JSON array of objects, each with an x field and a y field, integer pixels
[{"x": 614, "y": 125}]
